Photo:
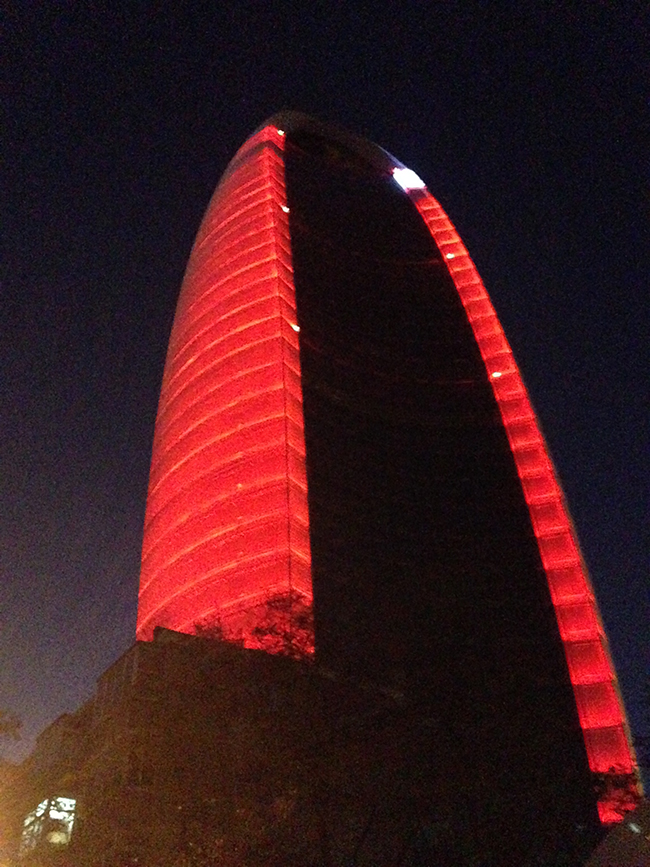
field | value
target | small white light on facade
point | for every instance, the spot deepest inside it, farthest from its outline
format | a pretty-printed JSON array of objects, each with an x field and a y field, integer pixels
[
  {"x": 634, "y": 827},
  {"x": 285, "y": 209},
  {"x": 496, "y": 374},
  {"x": 280, "y": 132},
  {"x": 407, "y": 179},
  {"x": 295, "y": 327},
  {"x": 450, "y": 256}
]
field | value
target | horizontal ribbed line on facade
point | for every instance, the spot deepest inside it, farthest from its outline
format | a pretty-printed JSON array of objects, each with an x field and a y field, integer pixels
[
  {"x": 239, "y": 248},
  {"x": 154, "y": 560},
  {"x": 255, "y": 216},
  {"x": 257, "y": 220},
  {"x": 200, "y": 289},
  {"x": 242, "y": 191},
  {"x": 228, "y": 399},
  {"x": 207, "y": 346},
  {"x": 183, "y": 428},
  {"x": 246, "y": 191},
  {"x": 239, "y": 216},
  {"x": 270, "y": 285},
  {"x": 260, "y": 537},
  {"x": 231, "y": 247},
  {"x": 238, "y": 259},
  {"x": 246, "y": 601},
  {"x": 255, "y": 350},
  {"x": 261, "y": 221},
  {"x": 183, "y": 498},
  {"x": 221, "y": 440},
  {"x": 262, "y": 282},
  {"x": 206, "y": 395},
  {"x": 227, "y": 345},
  {"x": 255, "y": 598},
  {"x": 247, "y": 186},
  {"x": 231, "y": 572},
  {"x": 222, "y": 328},
  {"x": 267, "y": 266},
  {"x": 223, "y": 585},
  {"x": 185, "y": 423},
  {"x": 229, "y": 537},
  {"x": 222, "y": 437},
  {"x": 287, "y": 435},
  {"x": 213, "y": 462}
]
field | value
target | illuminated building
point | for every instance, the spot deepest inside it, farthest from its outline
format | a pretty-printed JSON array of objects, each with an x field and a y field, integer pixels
[{"x": 341, "y": 418}]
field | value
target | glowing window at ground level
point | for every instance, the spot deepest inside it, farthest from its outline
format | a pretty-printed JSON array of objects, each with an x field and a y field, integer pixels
[{"x": 51, "y": 822}]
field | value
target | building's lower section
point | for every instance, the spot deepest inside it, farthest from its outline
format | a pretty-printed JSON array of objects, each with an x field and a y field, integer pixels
[{"x": 199, "y": 752}]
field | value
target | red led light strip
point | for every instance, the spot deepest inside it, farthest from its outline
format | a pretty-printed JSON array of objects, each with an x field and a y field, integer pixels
[
  {"x": 226, "y": 523},
  {"x": 600, "y": 709}
]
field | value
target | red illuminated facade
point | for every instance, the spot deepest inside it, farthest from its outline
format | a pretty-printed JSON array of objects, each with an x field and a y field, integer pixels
[
  {"x": 227, "y": 519},
  {"x": 253, "y": 489}
]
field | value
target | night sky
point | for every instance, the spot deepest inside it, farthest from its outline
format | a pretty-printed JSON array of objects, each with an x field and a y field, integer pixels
[{"x": 527, "y": 121}]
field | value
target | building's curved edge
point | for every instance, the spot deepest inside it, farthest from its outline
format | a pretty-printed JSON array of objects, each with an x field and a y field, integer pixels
[{"x": 598, "y": 699}]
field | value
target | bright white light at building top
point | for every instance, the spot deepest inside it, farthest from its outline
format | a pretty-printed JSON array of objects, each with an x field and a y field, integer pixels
[{"x": 407, "y": 179}]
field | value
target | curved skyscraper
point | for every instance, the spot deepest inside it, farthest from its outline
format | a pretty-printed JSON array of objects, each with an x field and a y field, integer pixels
[{"x": 342, "y": 419}]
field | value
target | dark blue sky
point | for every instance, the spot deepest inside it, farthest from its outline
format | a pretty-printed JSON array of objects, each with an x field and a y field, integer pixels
[{"x": 528, "y": 121}]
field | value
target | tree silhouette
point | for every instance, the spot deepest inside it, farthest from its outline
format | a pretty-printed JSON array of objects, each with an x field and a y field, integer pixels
[{"x": 286, "y": 626}]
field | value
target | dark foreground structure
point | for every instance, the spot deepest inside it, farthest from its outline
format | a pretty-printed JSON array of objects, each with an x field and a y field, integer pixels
[
  {"x": 342, "y": 424},
  {"x": 202, "y": 753}
]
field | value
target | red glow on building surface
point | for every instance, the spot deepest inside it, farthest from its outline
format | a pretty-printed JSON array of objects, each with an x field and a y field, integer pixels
[
  {"x": 226, "y": 523},
  {"x": 595, "y": 685}
]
